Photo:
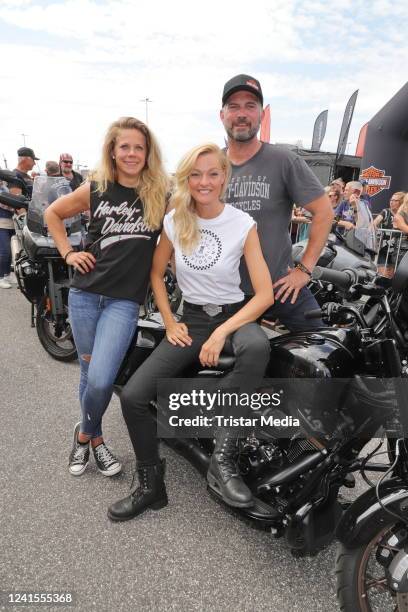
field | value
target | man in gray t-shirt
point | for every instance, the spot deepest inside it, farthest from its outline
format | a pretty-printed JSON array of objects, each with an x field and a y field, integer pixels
[{"x": 266, "y": 181}]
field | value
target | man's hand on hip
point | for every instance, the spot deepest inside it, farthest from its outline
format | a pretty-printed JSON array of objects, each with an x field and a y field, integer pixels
[{"x": 291, "y": 285}]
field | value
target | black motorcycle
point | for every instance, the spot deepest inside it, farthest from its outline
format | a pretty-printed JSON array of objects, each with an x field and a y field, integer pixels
[
  {"x": 341, "y": 252},
  {"x": 296, "y": 480},
  {"x": 42, "y": 275},
  {"x": 173, "y": 294},
  {"x": 372, "y": 559}
]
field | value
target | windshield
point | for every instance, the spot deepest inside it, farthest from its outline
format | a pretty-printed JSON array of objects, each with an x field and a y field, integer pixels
[
  {"x": 365, "y": 230},
  {"x": 46, "y": 189}
]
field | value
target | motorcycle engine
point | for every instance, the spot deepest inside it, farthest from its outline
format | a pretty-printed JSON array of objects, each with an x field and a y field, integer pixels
[
  {"x": 286, "y": 469},
  {"x": 267, "y": 460},
  {"x": 283, "y": 451}
]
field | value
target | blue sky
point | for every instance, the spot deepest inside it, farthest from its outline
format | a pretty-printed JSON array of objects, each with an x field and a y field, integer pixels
[{"x": 69, "y": 68}]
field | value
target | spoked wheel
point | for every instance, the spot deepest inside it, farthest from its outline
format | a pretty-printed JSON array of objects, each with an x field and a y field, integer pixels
[
  {"x": 362, "y": 583},
  {"x": 56, "y": 338}
]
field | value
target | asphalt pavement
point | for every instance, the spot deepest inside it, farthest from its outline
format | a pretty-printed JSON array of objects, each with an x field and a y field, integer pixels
[{"x": 55, "y": 535}]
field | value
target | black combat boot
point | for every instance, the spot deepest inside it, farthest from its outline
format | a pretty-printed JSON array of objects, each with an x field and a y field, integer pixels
[
  {"x": 151, "y": 493},
  {"x": 223, "y": 477}
]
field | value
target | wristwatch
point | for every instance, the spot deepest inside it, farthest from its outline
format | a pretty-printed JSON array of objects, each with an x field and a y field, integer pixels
[{"x": 302, "y": 268}]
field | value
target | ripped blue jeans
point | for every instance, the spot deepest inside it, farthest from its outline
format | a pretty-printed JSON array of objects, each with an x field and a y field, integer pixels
[{"x": 103, "y": 328}]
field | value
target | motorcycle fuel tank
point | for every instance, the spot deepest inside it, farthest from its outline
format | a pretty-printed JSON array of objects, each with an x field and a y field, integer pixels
[
  {"x": 324, "y": 353},
  {"x": 37, "y": 245}
]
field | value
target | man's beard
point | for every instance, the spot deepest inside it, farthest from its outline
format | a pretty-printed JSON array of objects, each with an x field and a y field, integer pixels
[{"x": 242, "y": 136}]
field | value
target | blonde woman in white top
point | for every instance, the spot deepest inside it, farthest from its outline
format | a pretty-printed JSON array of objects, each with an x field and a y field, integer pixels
[{"x": 208, "y": 239}]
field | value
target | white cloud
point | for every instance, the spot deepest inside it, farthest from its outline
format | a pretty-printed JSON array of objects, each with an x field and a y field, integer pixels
[{"x": 81, "y": 64}]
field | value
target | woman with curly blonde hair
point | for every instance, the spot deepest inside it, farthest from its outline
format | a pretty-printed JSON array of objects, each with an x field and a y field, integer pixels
[
  {"x": 208, "y": 239},
  {"x": 126, "y": 197},
  {"x": 401, "y": 217}
]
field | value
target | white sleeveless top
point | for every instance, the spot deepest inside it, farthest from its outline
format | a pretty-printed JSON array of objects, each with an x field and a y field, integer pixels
[{"x": 210, "y": 274}]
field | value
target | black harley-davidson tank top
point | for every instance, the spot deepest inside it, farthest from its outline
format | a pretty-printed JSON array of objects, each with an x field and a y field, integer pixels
[{"x": 122, "y": 244}]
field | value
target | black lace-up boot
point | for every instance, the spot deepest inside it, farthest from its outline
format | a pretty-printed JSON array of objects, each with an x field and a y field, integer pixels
[
  {"x": 151, "y": 493},
  {"x": 223, "y": 477}
]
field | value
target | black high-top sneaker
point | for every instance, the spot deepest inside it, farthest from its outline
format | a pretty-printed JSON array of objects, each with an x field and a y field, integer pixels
[
  {"x": 223, "y": 476},
  {"x": 151, "y": 493}
]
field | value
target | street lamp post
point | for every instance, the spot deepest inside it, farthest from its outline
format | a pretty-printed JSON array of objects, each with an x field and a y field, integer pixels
[
  {"x": 24, "y": 138},
  {"x": 146, "y": 101}
]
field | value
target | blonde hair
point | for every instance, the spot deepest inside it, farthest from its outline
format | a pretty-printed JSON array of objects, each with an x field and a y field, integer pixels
[
  {"x": 152, "y": 184},
  {"x": 404, "y": 206},
  {"x": 185, "y": 218}
]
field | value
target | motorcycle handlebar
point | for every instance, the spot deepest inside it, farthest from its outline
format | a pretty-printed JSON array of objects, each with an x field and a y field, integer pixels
[
  {"x": 343, "y": 279},
  {"x": 14, "y": 201},
  {"x": 10, "y": 178},
  {"x": 313, "y": 314}
]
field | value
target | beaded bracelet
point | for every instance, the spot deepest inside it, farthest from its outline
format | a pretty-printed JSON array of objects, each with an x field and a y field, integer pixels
[{"x": 303, "y": 268}]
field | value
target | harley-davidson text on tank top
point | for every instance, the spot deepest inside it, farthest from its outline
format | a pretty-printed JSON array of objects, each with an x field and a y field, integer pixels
[{"x": 122, "y": 244}]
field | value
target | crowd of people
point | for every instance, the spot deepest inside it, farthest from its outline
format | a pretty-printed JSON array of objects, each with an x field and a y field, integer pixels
[
  {"x": 225, "y": 225},
  {"x": 24, "y": 170},
  {"x": 352, "y": 208}
]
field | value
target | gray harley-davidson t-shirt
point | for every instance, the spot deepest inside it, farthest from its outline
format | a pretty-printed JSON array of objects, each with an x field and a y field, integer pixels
[{"x": 266, "y": 187}]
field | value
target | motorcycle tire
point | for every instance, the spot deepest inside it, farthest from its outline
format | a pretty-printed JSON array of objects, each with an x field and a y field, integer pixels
[
  {"x": 174, "y": 300},
  {"x": 353, "y": 566},
  {"x": 60, "y": 348}
]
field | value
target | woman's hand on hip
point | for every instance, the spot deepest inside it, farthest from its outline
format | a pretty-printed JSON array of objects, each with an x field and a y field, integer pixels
[
  {"x": 82, "y": 261},
  {"x": 177, "y": 334},
  {"x": 211, "y": 349}
]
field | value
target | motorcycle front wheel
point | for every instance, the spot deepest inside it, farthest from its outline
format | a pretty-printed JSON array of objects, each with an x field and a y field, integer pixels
[
  {"x": 59, "y": 345},
  {"x": 173, "y": 294},
  {"x": 362, "y": 585}
]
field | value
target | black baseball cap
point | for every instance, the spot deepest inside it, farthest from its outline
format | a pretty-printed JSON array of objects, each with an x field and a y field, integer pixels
[
  {"x": 26, "y": 152},
  {"x": 242, "y": 82}
]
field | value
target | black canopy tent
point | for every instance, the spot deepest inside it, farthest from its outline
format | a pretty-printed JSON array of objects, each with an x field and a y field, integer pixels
[
  {"x": 322, "y": 164},
  {"x": 385, "y": 160}
]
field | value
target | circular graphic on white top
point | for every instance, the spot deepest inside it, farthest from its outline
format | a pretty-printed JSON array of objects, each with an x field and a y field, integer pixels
[{"x": 206, "y": 254}]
